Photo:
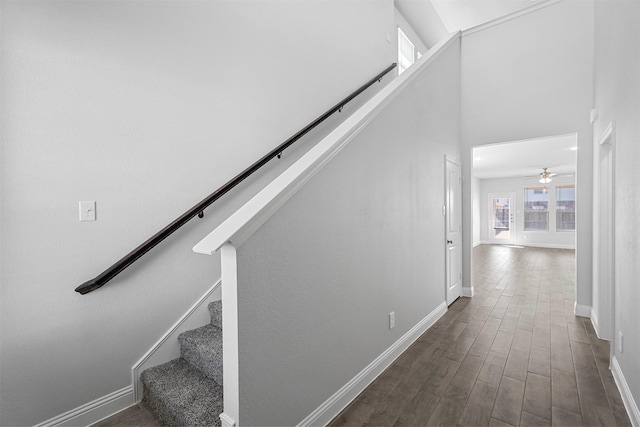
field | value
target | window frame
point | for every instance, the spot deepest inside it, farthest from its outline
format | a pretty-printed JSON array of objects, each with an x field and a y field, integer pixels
[
  {"x": 401, "y": 64},
  {"x": 562, "y": 211},
  {"x": 545, "y": 190}
]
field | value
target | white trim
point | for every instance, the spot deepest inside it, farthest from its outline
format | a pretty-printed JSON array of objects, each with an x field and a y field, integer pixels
[
  {"x": 547, "y": 245},
  {"x": 481, "y": 242},
  {"x": 95, "y": 410},
  {"x": 226, "y": 420},
  {"x": 509, "y": 17},
  {"x": 529, "y": 245},
  {"x": 594, "y": 321},
  {"x": 607, "y": 136},
  {"x": 581, "y": 310},
  {"x": 246, "y": 220},
  {"x": 177, "y": 328},
  {"x": 627, "y": 397},
  {"x": 328, "y": 410},
  {"x": 230, "y": 345},
  {"x": 467, "y": 292}
]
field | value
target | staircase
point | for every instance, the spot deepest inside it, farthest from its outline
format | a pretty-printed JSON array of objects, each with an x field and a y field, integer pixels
[{"x": 188, "y": 391}]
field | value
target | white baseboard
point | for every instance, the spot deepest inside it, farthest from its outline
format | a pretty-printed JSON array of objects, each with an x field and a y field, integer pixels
[
  {"x": 481, "y": 242},
  {"x": 629, "y": 402},
  {"x": 94, "y": 411},
  {"x": 581, "y": 310},
  {"x": 547, "y": 245},
  {"x": 594, "y": 321},
  {"x": 467, "y": 292},
  {"x": 340, "y": 399},
  {"x": 227, "y": 421},
  {"x": 529, "y": 245}
]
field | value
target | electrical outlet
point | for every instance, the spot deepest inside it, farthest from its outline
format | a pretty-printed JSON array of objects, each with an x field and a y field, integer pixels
[
  {"x": 392, "y": 320},
  {"x": 620, "y": 341}
]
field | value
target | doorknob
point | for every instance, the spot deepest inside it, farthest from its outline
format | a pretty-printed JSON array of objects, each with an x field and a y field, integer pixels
[{"x": 450, "y": 242}]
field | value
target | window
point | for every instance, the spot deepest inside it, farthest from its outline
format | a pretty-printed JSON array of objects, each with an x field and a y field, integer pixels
[
  {"x": 565, "y": 208},
  {"x": 536, "y": 209},
  {"x": 406, "y": 52}
]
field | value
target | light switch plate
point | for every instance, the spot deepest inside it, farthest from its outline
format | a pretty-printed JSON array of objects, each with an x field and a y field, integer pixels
[{"x": 87, "y": 210}]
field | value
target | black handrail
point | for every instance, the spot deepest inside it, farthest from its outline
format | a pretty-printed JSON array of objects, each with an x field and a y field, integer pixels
[{"x": 198, "y": 209}]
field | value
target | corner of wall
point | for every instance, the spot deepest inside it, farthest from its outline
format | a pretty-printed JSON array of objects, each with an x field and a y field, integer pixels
[{"x": 582, "y": 310}]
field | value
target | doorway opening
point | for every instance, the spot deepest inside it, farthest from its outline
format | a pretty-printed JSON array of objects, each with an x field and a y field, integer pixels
[{"x": 523, "y": 195}]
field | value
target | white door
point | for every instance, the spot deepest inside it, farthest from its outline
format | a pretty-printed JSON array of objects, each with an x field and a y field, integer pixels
[
  {"x": 501, "y": 224},
  {"x": 453, "y": 233}
]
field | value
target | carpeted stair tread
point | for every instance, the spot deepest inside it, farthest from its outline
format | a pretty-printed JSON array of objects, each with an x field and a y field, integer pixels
[
  {"x": 180, "y": 395},
  {"x": 202, "y": 347},
  {"x": 215, "y": 309}
]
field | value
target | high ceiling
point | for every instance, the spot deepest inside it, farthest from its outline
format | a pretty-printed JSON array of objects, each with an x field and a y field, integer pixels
[
  {"x": 462, "y": 14},
  {"x": 432, "y": 20},
  {"x": 526, "y": 158}
]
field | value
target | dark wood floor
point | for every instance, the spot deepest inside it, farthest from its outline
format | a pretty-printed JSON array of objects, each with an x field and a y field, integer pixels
[
  {"x": 514, "y": 354},
  {"x": 136, "y": 415}
]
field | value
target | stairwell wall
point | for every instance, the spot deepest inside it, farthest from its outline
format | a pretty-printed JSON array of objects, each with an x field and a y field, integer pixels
[
  {"x": 364, "y": 237},
  {"x": 145, "y": 107},
  {"x": 617, "y": 99}
]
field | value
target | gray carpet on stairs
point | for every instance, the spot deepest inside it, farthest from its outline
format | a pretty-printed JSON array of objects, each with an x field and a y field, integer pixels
[
  {"x": 215, "y": 310},
  {"x": 202, "y": 347},
  {"x": 188, "y": 391},
  {"x": 180, "y": 395}
]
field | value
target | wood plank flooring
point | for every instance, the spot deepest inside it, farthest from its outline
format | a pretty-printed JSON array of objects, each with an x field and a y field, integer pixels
[
  {"x": 513, "y": 355},
  {"x": 136, "y": 415}
]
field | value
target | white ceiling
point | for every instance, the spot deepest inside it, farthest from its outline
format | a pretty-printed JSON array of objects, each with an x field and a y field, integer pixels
[
  {"x": 526, "y": 158},
  {"x": 463, "y": 14},
  {"x": 432, "y": 20},
  {"x": 424, "y": 20}
]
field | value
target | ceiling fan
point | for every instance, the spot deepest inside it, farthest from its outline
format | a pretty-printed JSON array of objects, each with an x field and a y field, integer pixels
[{"x": 545, "y": 176}]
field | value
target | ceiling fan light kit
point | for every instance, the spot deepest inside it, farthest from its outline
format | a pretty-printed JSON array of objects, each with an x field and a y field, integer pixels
[{"x": 545, "y": 176}]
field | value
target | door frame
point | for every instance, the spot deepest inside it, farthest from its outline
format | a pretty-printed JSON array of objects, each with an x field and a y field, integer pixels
[
  {"x": 604, "y": 247},
  {"x": 512, "y": 219}
]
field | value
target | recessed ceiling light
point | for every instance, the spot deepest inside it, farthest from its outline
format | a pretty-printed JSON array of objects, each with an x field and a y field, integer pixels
[{"x": 573, "y": 148}]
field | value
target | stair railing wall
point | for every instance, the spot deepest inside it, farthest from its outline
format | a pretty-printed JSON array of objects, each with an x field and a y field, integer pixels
[{"x": 239, "y": 227}]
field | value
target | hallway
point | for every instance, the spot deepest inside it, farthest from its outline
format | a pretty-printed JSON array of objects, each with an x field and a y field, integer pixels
[{"x": 514, "y": 354}]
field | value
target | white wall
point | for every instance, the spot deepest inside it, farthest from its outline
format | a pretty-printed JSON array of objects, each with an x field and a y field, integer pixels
[
  {"x": 550, "y": 238},
  {"x": 617, "y": 98},
  {"x": 526, "y": 78},
  {"x": 145, "y": 107},
  {"x": 363, "y": 238}
]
